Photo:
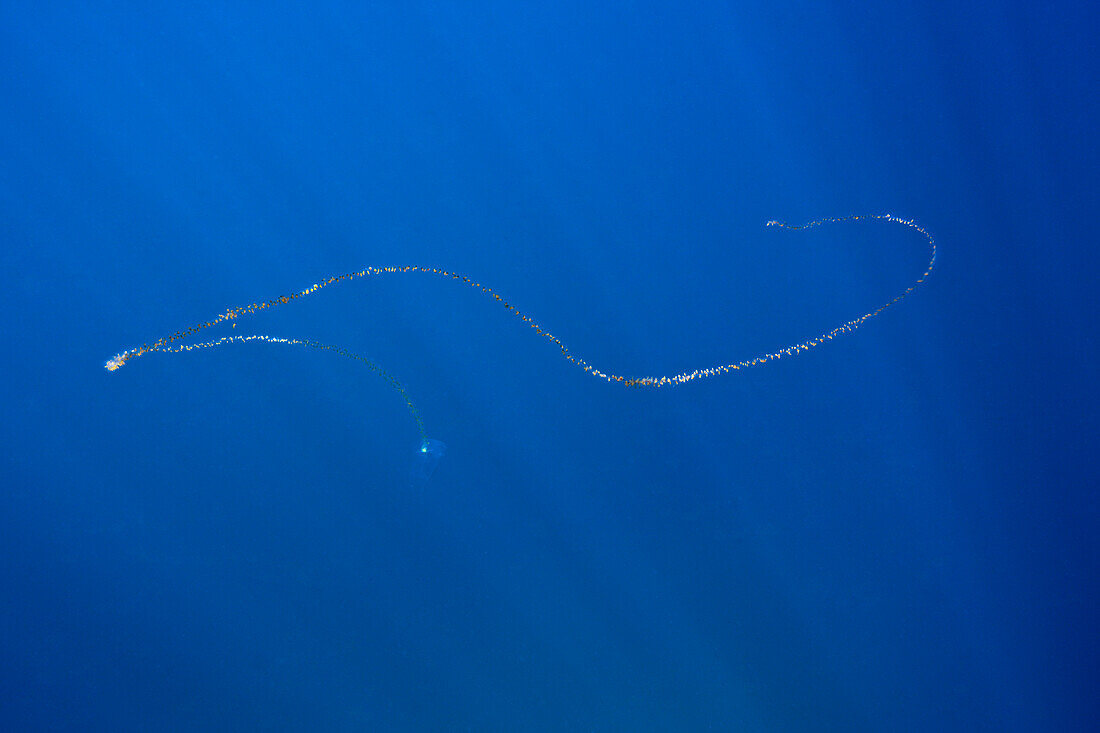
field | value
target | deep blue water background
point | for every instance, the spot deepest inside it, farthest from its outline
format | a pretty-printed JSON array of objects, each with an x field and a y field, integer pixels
[{"x": 896, "y": 531}]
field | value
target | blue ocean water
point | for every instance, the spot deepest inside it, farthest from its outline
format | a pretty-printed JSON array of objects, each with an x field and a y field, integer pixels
[{"x": 894, "y": 531}]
